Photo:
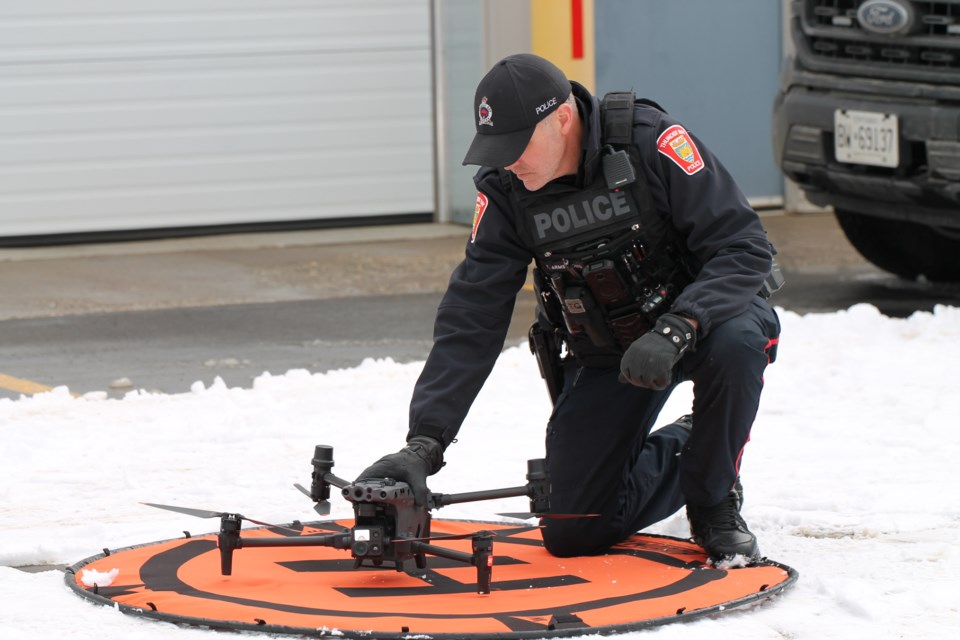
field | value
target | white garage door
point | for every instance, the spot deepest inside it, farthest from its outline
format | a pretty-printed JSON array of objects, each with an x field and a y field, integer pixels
[{"x": 140, "y": 114}]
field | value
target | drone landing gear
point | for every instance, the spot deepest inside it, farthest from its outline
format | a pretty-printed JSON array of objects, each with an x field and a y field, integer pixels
[{"x": 481, "y": 556}]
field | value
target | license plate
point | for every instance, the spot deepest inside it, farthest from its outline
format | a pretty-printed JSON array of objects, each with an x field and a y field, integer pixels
[{"x": 866, "y": 137}]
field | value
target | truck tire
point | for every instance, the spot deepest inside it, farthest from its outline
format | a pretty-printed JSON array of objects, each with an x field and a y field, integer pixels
[{"x": 906, "y": 249}]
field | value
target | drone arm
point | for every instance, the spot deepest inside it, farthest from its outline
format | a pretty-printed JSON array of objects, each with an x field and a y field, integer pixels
[
  {"x": 230, "y": 539},
  {"x": 443, "y": 499},
  {"x": 537, "y": 489},
  {"x": 440, "y": 552},
  {"x": 336, "y": 481},
  {"x": 335, "y": 540}
]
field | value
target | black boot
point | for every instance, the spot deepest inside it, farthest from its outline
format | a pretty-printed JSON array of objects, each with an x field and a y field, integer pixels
[{"x": 720, "y": 529}]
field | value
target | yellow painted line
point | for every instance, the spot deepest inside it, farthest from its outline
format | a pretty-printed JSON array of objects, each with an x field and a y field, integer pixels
[{"x": 23, "y": 386}]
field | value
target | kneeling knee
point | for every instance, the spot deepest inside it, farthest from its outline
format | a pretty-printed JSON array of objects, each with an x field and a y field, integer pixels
[{"x": 576, "y": 540}]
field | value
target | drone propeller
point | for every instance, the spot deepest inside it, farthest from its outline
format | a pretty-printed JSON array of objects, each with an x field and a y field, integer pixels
[
  {"x": 322, "y": 507},
  {"x": 199, "y": 513},
  {"x": 203, "y": 513},
  {"x": 526, "y": 515}
]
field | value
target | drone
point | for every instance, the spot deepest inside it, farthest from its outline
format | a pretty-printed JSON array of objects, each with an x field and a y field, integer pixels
[{"x": 389, "y": 529}]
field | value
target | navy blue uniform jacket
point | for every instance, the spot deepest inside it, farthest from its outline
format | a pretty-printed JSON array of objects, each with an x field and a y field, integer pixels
[{"x": 707, "y": 208}]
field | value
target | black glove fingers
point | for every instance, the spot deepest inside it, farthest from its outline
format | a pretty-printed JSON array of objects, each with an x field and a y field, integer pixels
[
  {"x": 650, "y": 360},
  {"x": 422, "y": 457}
]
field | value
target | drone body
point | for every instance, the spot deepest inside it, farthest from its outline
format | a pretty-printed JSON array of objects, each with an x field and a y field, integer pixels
[{"x": 389, "y": 527}]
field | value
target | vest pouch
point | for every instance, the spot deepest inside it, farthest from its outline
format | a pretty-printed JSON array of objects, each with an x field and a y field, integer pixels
[
  {"x": 629, "y": 326},
  {"x": 606, "y": 283},
  {"x": 583, "y": 317},
  {"x": 553, "y": 316}
]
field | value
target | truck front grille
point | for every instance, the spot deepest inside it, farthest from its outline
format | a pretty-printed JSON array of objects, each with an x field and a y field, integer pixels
[{"x": 832, "y": 33}]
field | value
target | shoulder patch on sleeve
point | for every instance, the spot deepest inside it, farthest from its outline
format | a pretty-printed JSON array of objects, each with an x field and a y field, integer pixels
[
  {"x": 676, "y": 144},
  {"x": 478, "y": 209}
]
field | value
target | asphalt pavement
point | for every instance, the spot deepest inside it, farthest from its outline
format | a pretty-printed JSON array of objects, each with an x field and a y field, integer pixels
[{"x": 161, "y": 315}]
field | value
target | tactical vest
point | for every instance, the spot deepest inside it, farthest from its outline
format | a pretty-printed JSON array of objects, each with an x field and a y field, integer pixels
[{"x": 607, "y": 264}]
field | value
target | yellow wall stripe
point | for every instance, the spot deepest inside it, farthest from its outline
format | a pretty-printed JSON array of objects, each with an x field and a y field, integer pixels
[{"x": 552, "y": 35}]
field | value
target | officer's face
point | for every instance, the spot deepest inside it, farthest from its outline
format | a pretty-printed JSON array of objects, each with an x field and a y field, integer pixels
[{"x": 545, "y": 157}]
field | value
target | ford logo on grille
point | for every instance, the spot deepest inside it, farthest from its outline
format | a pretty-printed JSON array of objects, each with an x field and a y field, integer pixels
[{"x": 889, "y": 17}]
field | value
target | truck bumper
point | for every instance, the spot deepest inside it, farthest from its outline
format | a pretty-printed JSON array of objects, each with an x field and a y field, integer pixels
[{"x": 924, "y": 188}]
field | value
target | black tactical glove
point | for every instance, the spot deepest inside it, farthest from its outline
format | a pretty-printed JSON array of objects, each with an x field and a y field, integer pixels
[
  {"x": 650, "y": 360},
  {"x": 422, "y": 457}
]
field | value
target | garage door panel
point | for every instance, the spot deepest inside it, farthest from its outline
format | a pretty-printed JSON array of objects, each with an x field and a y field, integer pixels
[
  {"x": 52, "y": 30},
  {"x": 89, "y": 129},
  {"x": 41, "y": 180},
  {"x": 162, "y": 146},
  {"x": 355, "y": 107},
  {"x": 209, "y": 204},
  {"x": 349, "y": 88},
  {"x": 142, "y": 81}
]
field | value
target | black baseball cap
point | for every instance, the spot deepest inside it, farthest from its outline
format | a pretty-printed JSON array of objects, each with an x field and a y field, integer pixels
[{"x": 516, "y": 94}]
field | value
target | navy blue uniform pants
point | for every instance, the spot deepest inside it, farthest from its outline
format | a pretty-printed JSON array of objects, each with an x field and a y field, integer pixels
[{"x": 603, "y": 459}]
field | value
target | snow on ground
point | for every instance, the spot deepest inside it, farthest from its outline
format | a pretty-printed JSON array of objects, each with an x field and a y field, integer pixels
[{"x": 850, "y": 476}]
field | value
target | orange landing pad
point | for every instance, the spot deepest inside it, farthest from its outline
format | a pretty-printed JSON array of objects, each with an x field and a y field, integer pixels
[{"x": 316, "y": 591}]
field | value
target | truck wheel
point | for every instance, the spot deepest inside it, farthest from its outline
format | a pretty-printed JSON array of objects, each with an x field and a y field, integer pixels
[{"x": 906, "y": 249}]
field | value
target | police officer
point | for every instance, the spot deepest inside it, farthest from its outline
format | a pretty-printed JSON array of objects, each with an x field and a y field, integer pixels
[{"x": 650, "y": 270}]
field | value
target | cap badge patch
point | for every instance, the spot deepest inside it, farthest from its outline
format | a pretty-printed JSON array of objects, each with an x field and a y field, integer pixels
[
  {"x": 478, "y": 210},
  {"x": 676, "y": 144},
  {"x": 485, "y": 111}
]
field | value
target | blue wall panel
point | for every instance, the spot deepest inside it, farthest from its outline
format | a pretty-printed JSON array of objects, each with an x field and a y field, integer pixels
[{"x": 714, "y": 64}]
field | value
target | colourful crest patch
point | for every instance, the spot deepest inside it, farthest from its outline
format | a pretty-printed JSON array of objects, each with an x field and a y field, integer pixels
[
  {"x": 485, "y": 112},
  {"x": 676, "y": 144},
  {"x": 478, "y": 210}
]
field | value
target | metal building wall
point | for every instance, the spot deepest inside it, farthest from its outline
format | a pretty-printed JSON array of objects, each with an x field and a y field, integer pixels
[
  {"x": 470, "y": 36},
  {"x": 133, "y": 114},
  {"x": 714, "y": 65}
]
